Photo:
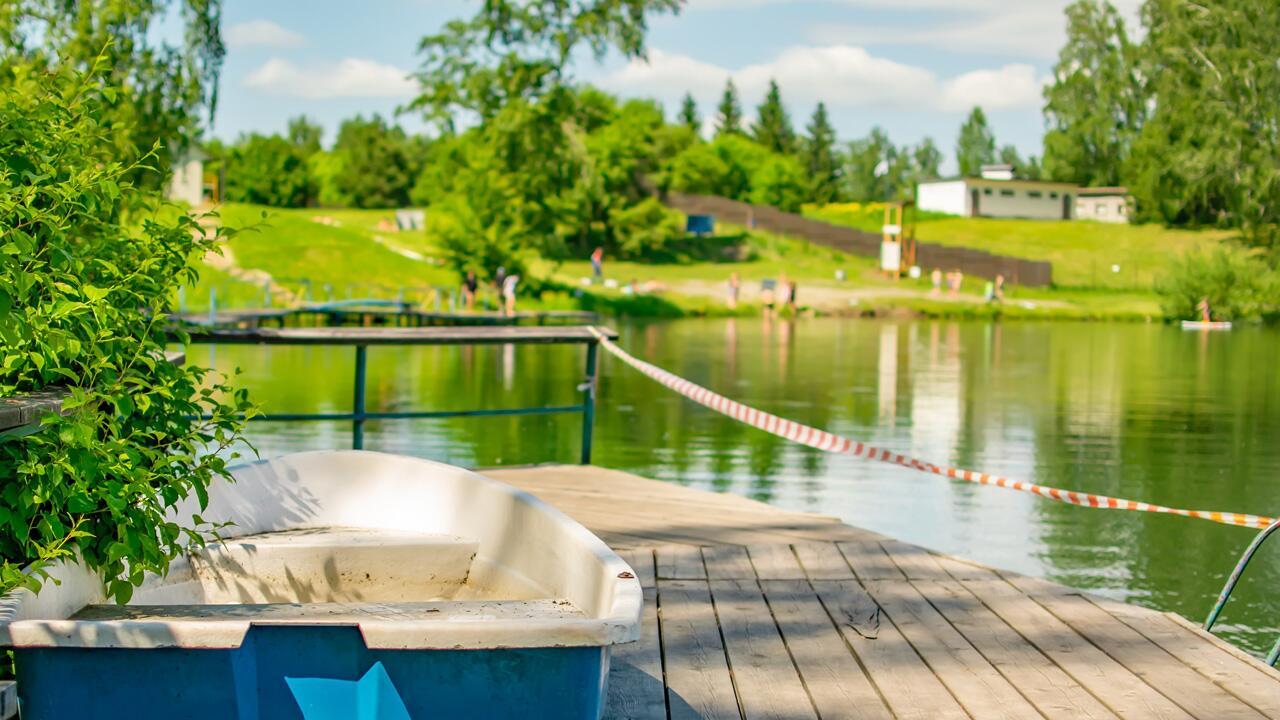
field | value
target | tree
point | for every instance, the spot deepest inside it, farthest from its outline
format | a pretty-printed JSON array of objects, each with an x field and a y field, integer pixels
[
  {"x": 376, "y": 168},
  {"x": 268, "y": 170},
  {"x": 161, "y": 88},
  {"x": 819, "y": 155},
  {"x": 1095, "y": 105},
  {"x": 305, "y": 135},
  {"x": 780, "y": 181},
  {"x": 928, "y": 160},
  {"x": 1210, "y": 151},
  {"x": 89, "y": 274},
  {"x": 773, "y": 126},
  {"x": 1009, "y": 156},
  {"x": 689, "y": 113},
  {"x": 729, "y": 112},
  {"x": 867, "y": 167},
  {"x": 976, "y": 145},
  {"x": 508, "y": 66}
]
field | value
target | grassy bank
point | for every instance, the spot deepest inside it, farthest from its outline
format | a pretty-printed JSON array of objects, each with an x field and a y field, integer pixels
[{"x": 318, "y": 255}]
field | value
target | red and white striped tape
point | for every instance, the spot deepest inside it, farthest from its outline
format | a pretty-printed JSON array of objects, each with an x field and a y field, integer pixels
[{"x": 823, "y": 440}]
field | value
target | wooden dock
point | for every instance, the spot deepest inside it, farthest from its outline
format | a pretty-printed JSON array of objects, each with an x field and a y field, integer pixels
[
  {"x": 756, "y": 612},
  {"x": 357, "y": 316}
]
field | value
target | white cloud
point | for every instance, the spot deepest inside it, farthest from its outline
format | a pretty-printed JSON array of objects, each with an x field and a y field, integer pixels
[
  {"x": 1009, "y": 87},
  {"x": 262, "y": 33},
  {"x": 843, "y": 76},
  {"x": 1030, "y": 29},
  {"x": 350, "y": 77}
]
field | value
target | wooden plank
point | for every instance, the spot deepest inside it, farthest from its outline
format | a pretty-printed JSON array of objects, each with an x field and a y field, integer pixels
[
  {"x": 914, "y": 561},
  {"x": 680, "y": 562},
  {"x": 982, "y": 690},
  {"x": 907, "y": 684},
  {"x": 769, "y": 687},
  {"x": 1194, "y": 692},
  {"x": 1249, "y": 680},
  {"x": 775, "y": 562},
  {"x": 642, "y": 563},
  {"x": 727, "y": 562},
  {"x": 636, "y": 687},
  {"x": 1121, "y": 690},
  {"x": 399, "y": 335},
  {"x": 838, "y": 686},
  {"x": 822, "y": 561},
  {"x": 699, "y": 686},
  {"x": 30, "y": 408},
  {"x": 1051, "y": 690},
  {"x": 869, "y": 561}
]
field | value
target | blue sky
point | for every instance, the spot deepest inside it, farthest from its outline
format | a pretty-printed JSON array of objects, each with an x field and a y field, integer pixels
[{"x": 914, "y": 67}]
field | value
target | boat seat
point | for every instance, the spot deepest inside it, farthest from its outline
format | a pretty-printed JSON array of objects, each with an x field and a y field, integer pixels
[{"x": 320, "y": 565}]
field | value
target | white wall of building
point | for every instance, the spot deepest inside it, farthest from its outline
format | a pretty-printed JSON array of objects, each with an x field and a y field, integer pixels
[
  {"x": 998, "y": 198},
  {"x": 944, "y": 196},
  {"x": 1023, "y": 199},
  {"x": 1103, "y": 208},
  {"x": 187, "y": 183}
]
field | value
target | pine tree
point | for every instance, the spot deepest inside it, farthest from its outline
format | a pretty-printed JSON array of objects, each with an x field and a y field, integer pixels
[
  {"x": 773, "y": 125},
  {"x": 689, "y": 113},
  {"x": 729, "y": 112},
  {"x": 928, "y": 160},
  {"x": 976, "y": 145},
  {"x": 819, "y": 157}
]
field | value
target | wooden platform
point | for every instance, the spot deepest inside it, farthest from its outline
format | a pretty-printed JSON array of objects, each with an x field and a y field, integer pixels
[{"x": 755, "y": 612}]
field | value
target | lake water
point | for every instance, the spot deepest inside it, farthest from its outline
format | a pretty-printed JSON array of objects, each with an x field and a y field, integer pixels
[{"x": 1146, "y": 412}]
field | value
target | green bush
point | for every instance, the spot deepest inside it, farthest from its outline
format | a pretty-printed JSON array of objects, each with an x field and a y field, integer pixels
[
  {"x": 87, "y": 274},
  {"x": 647, "y": 230},
  {"x": 1238, "y": 285}
]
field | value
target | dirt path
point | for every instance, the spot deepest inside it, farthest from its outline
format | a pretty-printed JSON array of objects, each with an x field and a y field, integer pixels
[{"x": 836, "y": 298}]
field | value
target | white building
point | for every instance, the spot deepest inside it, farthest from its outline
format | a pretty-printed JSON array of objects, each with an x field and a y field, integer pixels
[
  {"x": 998, "y": 194},
  {"x": 1104, "y": 204},
  {"x": 187, "y": 183}
]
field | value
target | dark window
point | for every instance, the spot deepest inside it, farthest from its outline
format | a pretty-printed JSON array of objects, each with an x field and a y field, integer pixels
[
  {"x": 986, "y": 191},
  {"x": 1034, "y": 193},
  {"x": 1053, "y": 196},
  {"x": 1006, "y": 193}
]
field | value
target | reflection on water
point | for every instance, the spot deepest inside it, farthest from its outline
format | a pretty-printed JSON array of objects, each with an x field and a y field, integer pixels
[{"x": 1139, "y": 411}]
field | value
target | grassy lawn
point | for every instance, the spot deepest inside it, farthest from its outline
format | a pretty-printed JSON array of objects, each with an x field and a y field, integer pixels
[
  {"x": 293, "y": 247},
  {"x": 343, "y": 254},
  {"x": 1084, "y": 254}
]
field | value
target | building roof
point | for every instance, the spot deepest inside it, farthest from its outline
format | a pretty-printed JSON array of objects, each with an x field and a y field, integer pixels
[
  {"x": 1102, "y": 191},
  {"x": 1021, "y": 181}
]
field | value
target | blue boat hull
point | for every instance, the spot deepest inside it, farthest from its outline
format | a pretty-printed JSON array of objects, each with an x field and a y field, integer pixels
[{"x": 276, "y": 672}]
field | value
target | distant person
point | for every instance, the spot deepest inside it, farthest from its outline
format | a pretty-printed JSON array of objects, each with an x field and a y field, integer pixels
[
  {"x": 1203, "y": 308},
  {"x": 936, "y": 279},
  {"x": 957, "y": 282},
  {"x": 498, "y": 278},
  {"x": 766, "y": 294},
  {"x": 597, "y": 264},
  {"x": 470, "y": 286},
  {"x": 999, "y": 291},
  {"x": 784, "y": 290},
  {"x": 509, "y": 283},
  {"x": 735, "y": 287},
  {"x": 989, "y": 291},
  {"x": 791, "y": 295}
]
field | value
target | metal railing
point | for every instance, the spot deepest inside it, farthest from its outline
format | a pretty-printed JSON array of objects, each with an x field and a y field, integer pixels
[
  {"x": 363, "y": 338},
  {"x": 1232, "y": 581}
]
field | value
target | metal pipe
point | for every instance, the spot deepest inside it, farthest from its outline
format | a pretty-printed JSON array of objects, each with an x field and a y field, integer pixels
[
  {"x": 589, "y": 402},
  {"x": 1230, "y": 587},
  {"x": 357, "y": 404}
]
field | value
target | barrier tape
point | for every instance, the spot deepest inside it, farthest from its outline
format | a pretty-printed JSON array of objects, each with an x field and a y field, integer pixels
[{"x": 828, "y": 442}]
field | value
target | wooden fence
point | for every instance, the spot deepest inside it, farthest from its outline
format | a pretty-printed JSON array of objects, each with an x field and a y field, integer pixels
[{"x": 1017, "y": 271}]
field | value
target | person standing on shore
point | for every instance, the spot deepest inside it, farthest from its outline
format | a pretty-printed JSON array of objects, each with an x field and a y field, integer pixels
[
  {"x": 470, "y": 286},
  {"x": 735, "y": 287},
  {"x": 509, "y": 283},
  {"x": 597, "y": 265}
]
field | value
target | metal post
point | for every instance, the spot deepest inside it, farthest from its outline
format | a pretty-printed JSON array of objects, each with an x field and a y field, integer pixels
[
  {"x": 357, "y": 404},
  {"x": 589, "y": 402}
]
